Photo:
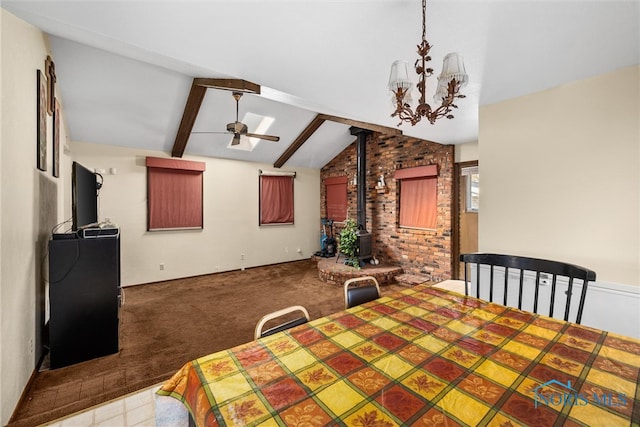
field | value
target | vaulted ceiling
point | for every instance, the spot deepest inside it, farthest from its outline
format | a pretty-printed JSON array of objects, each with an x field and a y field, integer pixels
[{"x": 125, "y": 69}]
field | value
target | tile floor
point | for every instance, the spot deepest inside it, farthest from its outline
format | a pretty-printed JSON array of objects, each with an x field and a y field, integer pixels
[{"x": 137, "y": 409}]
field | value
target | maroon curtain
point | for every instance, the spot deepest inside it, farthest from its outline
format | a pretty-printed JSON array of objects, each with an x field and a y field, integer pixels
[
  {"x": 418, "y": 196},
  {"x": 417, "y": 172},
  {"x": 276, "y": 199},
  {"x": 174, "y": 194},
  {"x": 418, "y": 202},
  {"x": 336, "y": 197}
]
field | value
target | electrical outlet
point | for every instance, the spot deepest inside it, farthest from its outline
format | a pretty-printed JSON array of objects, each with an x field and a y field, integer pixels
[
  {"x": 162, "y": 266},
  {"x": 30, "y": 345},
  {"x": 242, "y": 257}
]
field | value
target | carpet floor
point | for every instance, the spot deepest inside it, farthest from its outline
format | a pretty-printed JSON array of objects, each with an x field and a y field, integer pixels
[{"x": 164, "y": 325}]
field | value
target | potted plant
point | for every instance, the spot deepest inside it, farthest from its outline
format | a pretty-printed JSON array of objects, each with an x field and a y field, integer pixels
[{"x": 349, "y": 243}]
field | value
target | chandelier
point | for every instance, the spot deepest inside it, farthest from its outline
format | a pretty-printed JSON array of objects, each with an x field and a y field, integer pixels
[{"x": 452, "y": 78}]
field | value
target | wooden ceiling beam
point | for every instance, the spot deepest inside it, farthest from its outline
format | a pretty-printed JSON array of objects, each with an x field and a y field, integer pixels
[
  {"x": 362, "y": 125},
  {"x": 318, "y": 121},
  {"x": 301, "y": 139},
  {"x": 194, "y": 101},
  {"x": 199, "y": 87},
  {"x": 235, "y": 85}
]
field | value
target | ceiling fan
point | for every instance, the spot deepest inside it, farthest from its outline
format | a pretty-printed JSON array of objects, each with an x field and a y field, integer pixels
[{"x": 238, "y": 129}]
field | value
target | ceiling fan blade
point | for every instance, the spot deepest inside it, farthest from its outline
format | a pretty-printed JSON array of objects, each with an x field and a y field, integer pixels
[
  {"x": 265, "y": 137},
  {"x": 236, "y": 139},
  {"x": 212, "y": 132}
]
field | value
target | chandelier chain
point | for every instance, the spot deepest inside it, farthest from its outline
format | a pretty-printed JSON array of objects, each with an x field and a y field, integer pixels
[{"x": 424, "y": 20}]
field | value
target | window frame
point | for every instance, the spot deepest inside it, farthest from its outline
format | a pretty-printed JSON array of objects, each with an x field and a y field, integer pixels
[
  {"x": 287, "y": 211},
  {"x": 175, "y": 194},
  {"x": 419, "y": 173},
  {"x": 468, "y": 173},
  {"x": 337, "y": 183}
]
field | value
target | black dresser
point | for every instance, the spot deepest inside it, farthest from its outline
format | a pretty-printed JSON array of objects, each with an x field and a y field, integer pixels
[{"x": 84, "y": 298}]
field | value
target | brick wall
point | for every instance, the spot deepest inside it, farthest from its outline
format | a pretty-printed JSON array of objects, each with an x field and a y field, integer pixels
[{"x": 424, "y": 252}]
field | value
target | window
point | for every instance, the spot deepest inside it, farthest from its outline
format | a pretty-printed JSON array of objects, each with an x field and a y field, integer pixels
[
  {"x": 174, "y": 194},
  {"x": 276, "y": 199},
  {"x": 471, "y": 179},
  {"x": 418, "y": 197},
  {"x": 336, "y": 197}
]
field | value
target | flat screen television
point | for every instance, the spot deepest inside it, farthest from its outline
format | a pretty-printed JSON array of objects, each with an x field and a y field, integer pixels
[{"x": 84, "y": 196}]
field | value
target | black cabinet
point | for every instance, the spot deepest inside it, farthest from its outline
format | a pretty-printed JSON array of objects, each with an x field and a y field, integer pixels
[{"x": 84, "y": 292}]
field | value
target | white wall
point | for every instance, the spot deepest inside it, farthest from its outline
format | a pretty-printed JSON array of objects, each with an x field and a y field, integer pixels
[
  {"x": 32, "y": 202},
  {"x": 466, "y": 152},
  {"x": 29, "y": 201},
  {"x": 230, "y": 217},
  {"x": 561, "y": 175}
]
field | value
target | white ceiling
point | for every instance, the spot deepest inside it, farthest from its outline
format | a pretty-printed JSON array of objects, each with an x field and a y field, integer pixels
[{"x": 125, "y": 67}]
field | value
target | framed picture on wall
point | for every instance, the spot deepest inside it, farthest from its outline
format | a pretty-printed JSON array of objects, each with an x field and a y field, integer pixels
[
  {"x": 41, "y": 139},
  {"x": 56, "y": 139},
  {"x": 50, "y": 72}
]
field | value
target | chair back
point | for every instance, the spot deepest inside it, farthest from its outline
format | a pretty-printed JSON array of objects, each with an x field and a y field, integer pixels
[
  {"x": 529, "y": 282},
  {"x": 358, "y": 293},
  {"x": 284, "y": 313}
]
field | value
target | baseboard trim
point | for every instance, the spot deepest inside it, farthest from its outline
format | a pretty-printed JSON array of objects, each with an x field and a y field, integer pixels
[{"x": 27, "y": 387}]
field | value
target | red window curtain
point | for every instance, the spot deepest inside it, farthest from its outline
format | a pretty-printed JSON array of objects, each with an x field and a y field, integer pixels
[
  {"x": 336, "y": 197},
  {"x": 174, "y": 194},
  {"x": 276, "y": 199},
  {"x": 418, "y": 202},
  {"x": 418, "y": 196}
]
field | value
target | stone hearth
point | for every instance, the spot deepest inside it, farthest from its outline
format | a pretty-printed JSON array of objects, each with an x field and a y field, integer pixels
[{"x": 335, "y": 273}]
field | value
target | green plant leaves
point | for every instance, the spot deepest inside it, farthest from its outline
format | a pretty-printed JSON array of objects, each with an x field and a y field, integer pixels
[{"x": 348, "y": 244}]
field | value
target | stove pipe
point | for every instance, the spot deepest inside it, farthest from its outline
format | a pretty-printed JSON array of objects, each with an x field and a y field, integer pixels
[
  {"x": 365, "y": 250},
  {"x": 361, "y": 153}
]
